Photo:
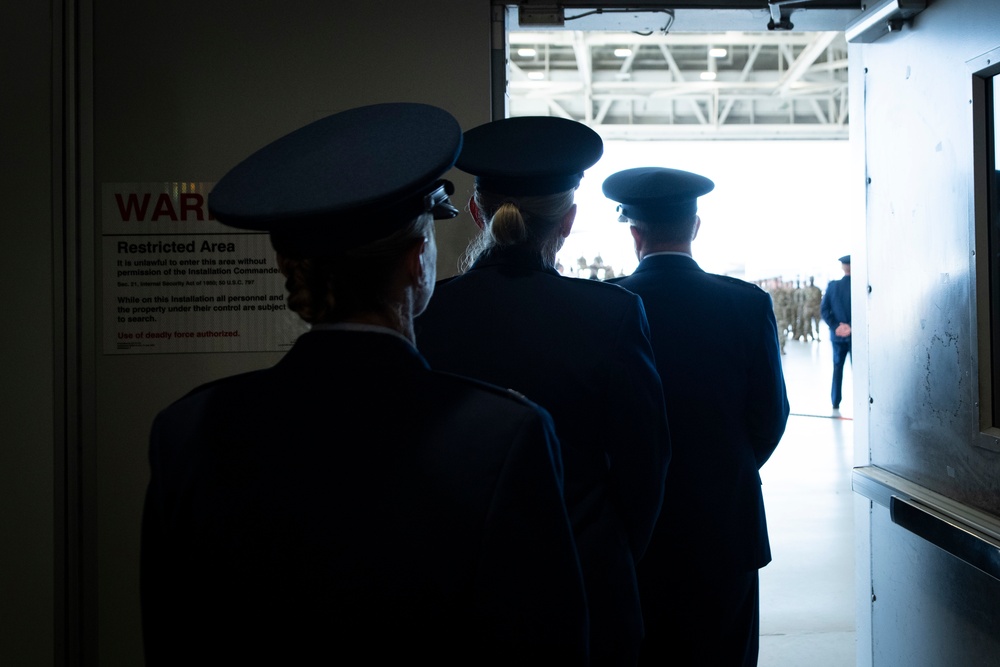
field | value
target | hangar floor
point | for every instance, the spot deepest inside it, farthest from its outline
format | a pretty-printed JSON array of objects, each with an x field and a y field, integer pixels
[{"x": 807, "y": 591}]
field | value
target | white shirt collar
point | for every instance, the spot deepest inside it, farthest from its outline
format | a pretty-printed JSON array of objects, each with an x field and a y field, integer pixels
[{"x": 669, "y": 252}]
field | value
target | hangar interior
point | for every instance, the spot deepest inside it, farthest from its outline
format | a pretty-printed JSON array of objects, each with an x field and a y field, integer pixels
[{"x": 674, "y": 86}]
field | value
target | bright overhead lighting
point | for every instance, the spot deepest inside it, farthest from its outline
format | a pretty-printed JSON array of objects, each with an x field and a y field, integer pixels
[
  {"x": 717, "y": 52},
  {"x": 623, "y": 53},
  {"x": 527, "y": 53},
  {"x": 708, "y": 76},
  {"x": 536, "y": 76}
]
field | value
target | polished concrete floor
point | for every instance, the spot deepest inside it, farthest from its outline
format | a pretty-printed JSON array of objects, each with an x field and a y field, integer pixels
[{"x": 807, "y": 591}]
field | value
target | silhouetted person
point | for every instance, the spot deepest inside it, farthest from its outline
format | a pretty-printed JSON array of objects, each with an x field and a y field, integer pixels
[
  {"x": 716, "y": 345},
  {"x": 578, "y": 347},
  {"x": 349, "y": 503},
  {"x": 836, "y": 311}
]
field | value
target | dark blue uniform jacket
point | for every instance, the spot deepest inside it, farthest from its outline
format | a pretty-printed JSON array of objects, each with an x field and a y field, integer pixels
[
  {"x": 836, "y": 306},
  {"x": 716, "y": 347},
  {"x": 580, "y": 349},
  {"x": 349, "y": 504}
]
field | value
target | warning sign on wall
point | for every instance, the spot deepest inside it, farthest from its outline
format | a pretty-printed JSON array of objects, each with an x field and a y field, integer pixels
[{"x": 175, "y": 280}]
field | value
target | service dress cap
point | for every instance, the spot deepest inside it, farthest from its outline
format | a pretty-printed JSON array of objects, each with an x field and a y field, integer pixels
[
  {"x": 846, "y": 259},
  {"x": 656, "y": 194},
  {"x": 344, "y": 180},
  {"x": 529, "y": 155}
]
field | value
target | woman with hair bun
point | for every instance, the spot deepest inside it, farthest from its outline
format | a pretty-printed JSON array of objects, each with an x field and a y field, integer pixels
[{"x": 578, "y": 348}]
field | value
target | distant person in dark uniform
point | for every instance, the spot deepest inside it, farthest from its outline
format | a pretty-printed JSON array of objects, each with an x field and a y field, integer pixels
[
  {"x": 580, "y": 348},
  {"x": 727, "y": 408},
  {"x": 349, "y": 504},
  {"x": 836, "y": 311}
]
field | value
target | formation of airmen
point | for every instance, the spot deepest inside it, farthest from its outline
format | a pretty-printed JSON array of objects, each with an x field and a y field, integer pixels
[{"x": 796, "y": 308}]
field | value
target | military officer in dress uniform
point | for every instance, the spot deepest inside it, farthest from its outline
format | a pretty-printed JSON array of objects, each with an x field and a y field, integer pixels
[
  {"x": 579, "y": 348},
  {"x": 349, "y": 503},
  {"x": 727, "y": 408},
  {"x": 835, "y": 309}
]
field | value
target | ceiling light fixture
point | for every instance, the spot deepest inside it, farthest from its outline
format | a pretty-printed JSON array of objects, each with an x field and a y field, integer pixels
[
  {"x": 623, "y": 53},
  {"x": 882, "y": 18},
  {"x": 717, "y": 52},
  {"x": 527, "y": 53}
]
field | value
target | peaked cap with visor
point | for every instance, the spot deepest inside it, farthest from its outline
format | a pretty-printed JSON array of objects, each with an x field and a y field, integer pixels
[
  {"x": 345, "y": 180},
  {"x": 529, "y": 155}
]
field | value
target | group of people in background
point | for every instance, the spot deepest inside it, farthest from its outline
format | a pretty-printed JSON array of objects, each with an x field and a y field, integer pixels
[
  {"x": 467, "y": 471},
  {"x": 796, "y": 308}
]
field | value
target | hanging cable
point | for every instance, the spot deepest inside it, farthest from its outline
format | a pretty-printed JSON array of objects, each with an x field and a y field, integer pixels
[{"x": 664, "y": 30}]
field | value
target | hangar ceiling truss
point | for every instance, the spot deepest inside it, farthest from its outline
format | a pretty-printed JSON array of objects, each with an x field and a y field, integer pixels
[{"x": 724, "y": 85}]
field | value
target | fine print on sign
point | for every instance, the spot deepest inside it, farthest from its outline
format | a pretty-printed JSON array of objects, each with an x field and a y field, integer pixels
[{"x": 174, "y": 280}]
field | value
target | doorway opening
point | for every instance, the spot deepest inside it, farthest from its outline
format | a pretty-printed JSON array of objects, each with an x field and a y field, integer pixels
[{"x": 765, "y": 115}]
